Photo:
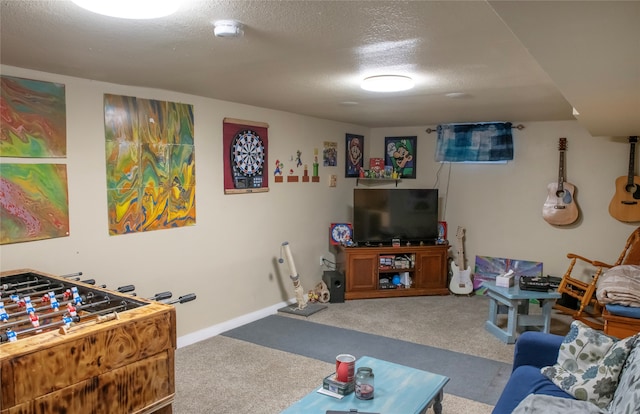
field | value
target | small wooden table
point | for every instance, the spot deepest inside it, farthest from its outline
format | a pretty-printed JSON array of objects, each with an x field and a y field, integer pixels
[
  {"x": 517, "y": 301},
  {"x": 397, "y": 389}
]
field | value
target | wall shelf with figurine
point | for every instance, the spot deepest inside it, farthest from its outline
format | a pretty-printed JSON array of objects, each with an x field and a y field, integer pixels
[{"x": 376, "y": 181}]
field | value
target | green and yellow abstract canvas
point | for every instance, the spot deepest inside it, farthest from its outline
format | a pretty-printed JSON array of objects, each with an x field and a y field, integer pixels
[
  {"x": 34, "y": 119},
  {"x": 34, "y": 202},
  {"x": 150, "y": 160}
]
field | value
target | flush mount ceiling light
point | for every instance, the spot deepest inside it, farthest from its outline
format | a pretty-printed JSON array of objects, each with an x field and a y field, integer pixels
[
  {"x": 227, "y": 28},
  {"x": 387, "y": 83},
  {"x": 131, "y": 9}
]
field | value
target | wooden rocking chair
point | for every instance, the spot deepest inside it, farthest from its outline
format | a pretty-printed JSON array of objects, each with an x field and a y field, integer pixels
[{"x": 589, "y": 309}]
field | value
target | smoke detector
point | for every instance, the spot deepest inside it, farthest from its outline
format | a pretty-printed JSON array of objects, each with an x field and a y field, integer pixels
[{"x": 227, "y": 28}]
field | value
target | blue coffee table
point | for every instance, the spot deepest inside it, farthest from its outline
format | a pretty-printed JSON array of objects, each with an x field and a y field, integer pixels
[
  {"x": 398, "y": 389},
  {"x": 517, "y": 301}
]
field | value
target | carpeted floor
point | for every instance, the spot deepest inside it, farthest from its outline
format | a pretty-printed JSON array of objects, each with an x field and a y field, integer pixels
[
  {"x": 472, "y": 377},
  {"x": 226, "y": 375}
]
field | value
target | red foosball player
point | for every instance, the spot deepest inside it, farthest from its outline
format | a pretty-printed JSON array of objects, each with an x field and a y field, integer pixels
[
  {"x": 71, "y": 309},
  {"x": 66, "y": 295},
  {"x": 35, "y": 321}
]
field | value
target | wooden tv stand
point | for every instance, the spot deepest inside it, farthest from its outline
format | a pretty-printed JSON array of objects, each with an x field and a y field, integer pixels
[{"x": 364, "y": 267}]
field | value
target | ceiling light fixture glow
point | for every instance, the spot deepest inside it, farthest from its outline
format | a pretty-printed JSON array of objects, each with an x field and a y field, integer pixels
[
  {"x": 131, "y": 9},
  {"x": 387, "y": 83}
]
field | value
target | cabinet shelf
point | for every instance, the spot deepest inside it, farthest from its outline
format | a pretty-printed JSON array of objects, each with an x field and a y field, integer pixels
[{"x": 398, "y": 270}]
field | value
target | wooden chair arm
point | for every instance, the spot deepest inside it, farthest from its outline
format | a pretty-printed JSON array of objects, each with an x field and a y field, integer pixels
[{"x": 596, "y": 263}]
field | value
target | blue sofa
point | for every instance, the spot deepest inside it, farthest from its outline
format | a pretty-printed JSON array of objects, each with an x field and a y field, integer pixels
[{"x": 533, "y": 350}]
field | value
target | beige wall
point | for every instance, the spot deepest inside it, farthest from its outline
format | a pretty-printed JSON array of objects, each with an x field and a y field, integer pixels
[
  {"x": 229, "y": 258},
  {"x": 500, "y": 206}
]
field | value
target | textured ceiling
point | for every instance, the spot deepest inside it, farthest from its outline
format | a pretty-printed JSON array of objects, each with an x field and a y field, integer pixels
[{"x": 511, "y": 61}]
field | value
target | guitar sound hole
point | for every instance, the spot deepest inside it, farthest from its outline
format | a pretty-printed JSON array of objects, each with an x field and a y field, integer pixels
[
  {"x": 630, "y": 188},
  {"x": 560, "y": 193}
]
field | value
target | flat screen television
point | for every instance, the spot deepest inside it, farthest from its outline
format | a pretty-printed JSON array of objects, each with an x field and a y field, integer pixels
[{"x": 381, "y": 215}]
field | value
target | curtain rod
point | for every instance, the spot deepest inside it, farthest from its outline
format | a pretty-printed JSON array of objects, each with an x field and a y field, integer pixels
[{"x": 519, "y": 127}]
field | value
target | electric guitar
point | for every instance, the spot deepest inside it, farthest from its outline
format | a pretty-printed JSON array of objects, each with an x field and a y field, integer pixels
[
  {"x": 560, "y": 208},
  {"x": 624, "y": 204},
  {"x": 461, "y": 283}
]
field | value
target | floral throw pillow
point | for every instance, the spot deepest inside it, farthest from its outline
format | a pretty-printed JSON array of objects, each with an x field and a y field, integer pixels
[{"x": 589, "y": 364}]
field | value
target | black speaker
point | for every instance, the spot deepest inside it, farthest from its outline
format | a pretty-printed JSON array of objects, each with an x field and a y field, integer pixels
[{"x": 335, "y": 282}]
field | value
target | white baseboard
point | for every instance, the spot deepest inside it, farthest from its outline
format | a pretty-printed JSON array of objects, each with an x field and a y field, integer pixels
[{"x": 215, "y": 330}]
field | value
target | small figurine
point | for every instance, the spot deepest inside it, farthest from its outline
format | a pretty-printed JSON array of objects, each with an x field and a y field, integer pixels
[
  {"x": 71, "y": 309},
  {"x": 4, "y": 316},
  {"x": 28, "y": 305},
  {"x": 76, "y": 296},
  {"x": 298, "y": 158},
  {"x": 279, "y": 166},
  {"x": 67, "y": 319},
  {"x": 35, "y": 321},
  {"x": 11, "y": 336},
  {"x": 54, "y": 302}
]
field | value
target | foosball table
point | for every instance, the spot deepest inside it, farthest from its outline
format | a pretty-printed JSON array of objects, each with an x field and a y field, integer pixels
[{"x": 68, "y": 346}]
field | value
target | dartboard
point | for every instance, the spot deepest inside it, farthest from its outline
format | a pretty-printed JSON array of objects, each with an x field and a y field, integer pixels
[{"x": 247, "y": 157}]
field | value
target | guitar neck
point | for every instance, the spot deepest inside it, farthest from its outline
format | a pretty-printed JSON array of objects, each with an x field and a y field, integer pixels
[
  {"x": 561, "y": 172},
  {"x": 460, "y": 254},
  {"x": 632, "y": 159}
]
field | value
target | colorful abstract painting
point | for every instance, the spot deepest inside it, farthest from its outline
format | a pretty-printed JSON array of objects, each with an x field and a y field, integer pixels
[
  {"x": 150, "y": 158},
  {"x": 34, "y": 202},
  {"x": 34, "y": 119},
  {"x": 488, "y": 268}
]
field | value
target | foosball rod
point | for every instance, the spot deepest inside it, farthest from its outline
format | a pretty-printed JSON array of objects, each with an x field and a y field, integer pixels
[
  {"x": 78, "y": 307},
  {"x": 64, "y": 302},
  {"x": 4, "y": 337},
  {"x": 37, "y": 297},
  {"x": 19, "y": 290},
  {"x": 7, "y": 286}
]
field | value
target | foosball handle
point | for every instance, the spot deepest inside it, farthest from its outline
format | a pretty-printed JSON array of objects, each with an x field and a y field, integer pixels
[
  {"x": 126, "y": 289},
  {"x": 72, "y": 275},
  {"x": 182, "y": 299},
  {"x": 162, "y": 296}
]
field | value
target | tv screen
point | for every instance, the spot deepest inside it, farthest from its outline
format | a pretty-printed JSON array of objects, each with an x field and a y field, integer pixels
[{"x": 381, "y": 215}]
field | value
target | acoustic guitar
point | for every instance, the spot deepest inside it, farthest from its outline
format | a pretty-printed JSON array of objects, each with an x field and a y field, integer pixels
[
  {"x": 461, "y": 283},
  {"x": 560, "y": 208},
  {"x": 624, "y": 204}
]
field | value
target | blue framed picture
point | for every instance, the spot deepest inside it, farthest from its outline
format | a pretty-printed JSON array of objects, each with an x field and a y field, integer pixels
[{"x": 354, "y": 156}]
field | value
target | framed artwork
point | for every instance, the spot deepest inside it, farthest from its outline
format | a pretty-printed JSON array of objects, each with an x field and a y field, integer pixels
[
  {"x": 400, "y": 154},
  {"x": 354, "y": 155},
  {"x": 330, "y": 154},
  {"x": 150, "y": 161},
  {"x": 34, "y": 119},
  {"x": 245, "y": 156},
  {"x": 35, "y": 202},
  {"x": 488, "y": 268}
]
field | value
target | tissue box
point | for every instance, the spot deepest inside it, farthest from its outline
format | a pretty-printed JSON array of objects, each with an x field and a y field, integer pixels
[{"x": 505, "y": 280}]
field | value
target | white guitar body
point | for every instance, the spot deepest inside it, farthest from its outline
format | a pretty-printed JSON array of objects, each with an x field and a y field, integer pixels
[{"x": 461, "y": 283}]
